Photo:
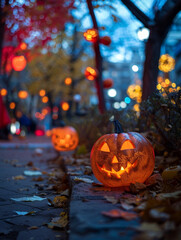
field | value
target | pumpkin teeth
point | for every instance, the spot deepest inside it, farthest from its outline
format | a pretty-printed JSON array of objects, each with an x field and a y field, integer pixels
[
  {"x": 129, "y": 165},
  {"x": 113, "y": 170},
  {"x": 134, "y": 164}
]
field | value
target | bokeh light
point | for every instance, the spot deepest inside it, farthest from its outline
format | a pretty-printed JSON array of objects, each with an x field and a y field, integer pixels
[{"x": 112, "y": 92}]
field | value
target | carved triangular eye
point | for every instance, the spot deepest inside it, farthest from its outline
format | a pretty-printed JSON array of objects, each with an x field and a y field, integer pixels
[
  {"x": 114, "y": 160},
  {"x": 105, "y": 147},
  {"x": 127, "y": 145}
]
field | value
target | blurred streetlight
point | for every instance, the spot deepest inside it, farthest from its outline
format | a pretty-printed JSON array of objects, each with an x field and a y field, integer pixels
[
  {"x": 135, "y": 68},
  {"x": 116, "y": 105},
  {"x": 112, "y": 92},
  {"x": 143, "y": 33},
  {"x": 123, "y": 104}
]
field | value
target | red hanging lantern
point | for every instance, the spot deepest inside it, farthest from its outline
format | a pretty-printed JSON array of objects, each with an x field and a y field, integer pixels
[
  {"x": 18, "y": 63},
  {"x": 107, "y": 83},
  {"x": 91, "y": 35},
  {"x": 106, "y": 40},
  {"x": 90, "y": 73}
]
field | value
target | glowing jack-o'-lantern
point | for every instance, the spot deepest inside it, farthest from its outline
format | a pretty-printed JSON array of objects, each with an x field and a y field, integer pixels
[
  {"x": 91, "y": 35},
  {"x": 64, "y": 138},
  {"x": 18, "y": 63},
  {"x": 122, "y": 158}
]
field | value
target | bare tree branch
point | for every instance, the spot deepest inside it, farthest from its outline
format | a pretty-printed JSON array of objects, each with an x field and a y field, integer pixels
[
  {"x": 138, "y": 13},
  {"x": 168, "y": 12}
]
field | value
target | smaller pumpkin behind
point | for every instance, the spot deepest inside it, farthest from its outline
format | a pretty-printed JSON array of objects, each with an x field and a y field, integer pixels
[{"x": 64, "y": 138}]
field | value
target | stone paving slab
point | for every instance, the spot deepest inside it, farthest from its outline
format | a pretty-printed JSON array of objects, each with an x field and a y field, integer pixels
[{"x": 86, "y": 219}]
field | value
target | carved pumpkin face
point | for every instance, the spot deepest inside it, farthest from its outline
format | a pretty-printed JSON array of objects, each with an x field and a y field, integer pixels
[
  {"x": 120, "y": 159},
  {"x": 64, "y": 138}
]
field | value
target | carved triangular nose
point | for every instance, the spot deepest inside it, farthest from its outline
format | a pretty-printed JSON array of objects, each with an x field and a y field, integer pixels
[{"x": 114, "y": 160}]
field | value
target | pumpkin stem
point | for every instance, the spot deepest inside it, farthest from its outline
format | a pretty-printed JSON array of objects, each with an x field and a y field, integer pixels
[{"x": 117, "y": 127}]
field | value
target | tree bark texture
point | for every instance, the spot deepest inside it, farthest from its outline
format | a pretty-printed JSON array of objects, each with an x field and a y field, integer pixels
[
  {"x": 98, "y": 62},
  {"x": 159, "y": 28}
]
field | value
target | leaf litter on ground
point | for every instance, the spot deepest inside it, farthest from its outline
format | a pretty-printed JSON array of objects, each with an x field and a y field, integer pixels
[
  {"x": 117, "y": 213},
  {"x": 32, "y": 173},
  {"x": 28, "y": 199},
  {"x": 59, "y": 222}
]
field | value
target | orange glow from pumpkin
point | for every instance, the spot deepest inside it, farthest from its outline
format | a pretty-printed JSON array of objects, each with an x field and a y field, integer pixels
[
  {"x": 91, "y": 35},
  {"x": 23, "y": 46},
  {"x": 45, "y": 99},
  {"x": 22, "y": 94},
  {"x": 18, "y": 63},
  {"x": 42, "y": 93},
  {"x": 3, "y": 92},
  {"x": 12, "y": 105},
  {"x": 127, "y": 145},
  {"x": 64, "y": 138},
  {"x": 68, "y": 81},
  {"x": 65, "y": 106},
  {"x": 121, "y": 168},
  {"x": 90, "y": 73}
]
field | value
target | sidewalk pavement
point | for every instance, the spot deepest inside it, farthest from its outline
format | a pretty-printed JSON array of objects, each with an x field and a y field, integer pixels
[
  {"x": 15, "y": 183},
  {"x": 87, "y": 204},
  {"x": 89, "y": 201}
]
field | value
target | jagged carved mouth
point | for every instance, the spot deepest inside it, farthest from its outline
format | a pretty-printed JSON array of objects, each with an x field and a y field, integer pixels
[
  {"x": 61, "y": 143},
  {"x": 117, "y": 174}
]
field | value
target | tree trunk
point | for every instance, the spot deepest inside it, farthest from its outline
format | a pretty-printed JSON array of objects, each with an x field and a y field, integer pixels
[
  {"x": 159, "y": 28},
  {"x": 152, "y": 54},
  {"x": 98, "y": 63}
]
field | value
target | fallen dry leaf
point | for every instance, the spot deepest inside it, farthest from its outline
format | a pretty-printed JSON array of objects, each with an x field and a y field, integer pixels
[
  {"x": 176, "y": 194},
  {"x": 65, "y": 193},
  {"x": 117, "y": 213},
  {"x": 159, "y": 215},
  {"x": 32, "y": 228},
  {"x": 59, "y": 222},
  {"x": 21, "y": 213},
  {"x": 83, "y": 179},
  {"x": 28, "y": 199},
  {"x": 137, "y": 187},
  {"x": 60, "y": 201},
  {"x": 154, "y": 179},
  {"x": 32, "y": 173},
  {"x": 126, "y": 206},
  {"x": 38, "y": 179},
  {"x": 131, "y": 199},
  {"x": 30, "y": 164},
  {"x": 111, "y": 199},
  {"x": 18, "y": 177},
  {"x": 153, "y": 230}
]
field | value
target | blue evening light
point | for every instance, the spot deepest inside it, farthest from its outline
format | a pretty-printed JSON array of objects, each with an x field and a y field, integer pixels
[{"x": 127, "y": 100}]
